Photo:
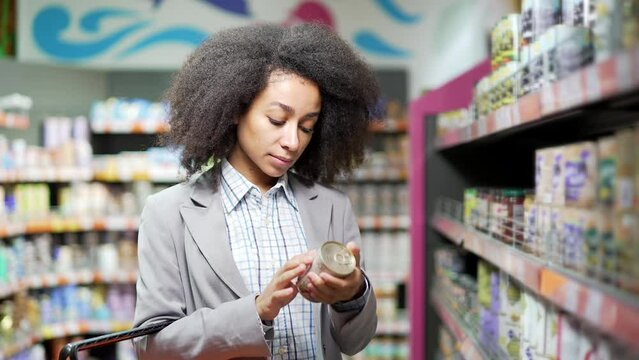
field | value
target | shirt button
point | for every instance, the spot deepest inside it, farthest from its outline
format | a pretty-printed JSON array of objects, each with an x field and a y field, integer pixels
[{"x": 282, "y": 350}]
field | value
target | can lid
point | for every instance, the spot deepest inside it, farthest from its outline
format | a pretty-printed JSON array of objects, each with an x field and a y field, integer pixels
[{"x": 337, "y": 258}]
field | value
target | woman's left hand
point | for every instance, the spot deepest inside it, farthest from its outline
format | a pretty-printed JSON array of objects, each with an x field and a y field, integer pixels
[{"x": 330, "y": 289}]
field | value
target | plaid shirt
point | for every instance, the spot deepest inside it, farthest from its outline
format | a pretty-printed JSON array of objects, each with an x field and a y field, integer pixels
[{"x": 264, "y": 232}]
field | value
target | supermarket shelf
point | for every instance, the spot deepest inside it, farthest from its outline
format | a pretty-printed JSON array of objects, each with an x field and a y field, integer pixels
[
  {"x": 55, "y": 331},
  {"x": 385, "y": 278},
  {"x": 50, "y": 174},
  {"x": 376, "y": 175},
  {"x": 389, "y": 127},
  {"x": 605, "y": 80},
  {"x": 469, "y": 346},
  {"x": 49, "y": 332},
  {"x": 131, "y": 223},
  {"x": 602, "y": 306},
  {"x": 519, "y": 265},
  {"x": 154, "y": 177},
  {"x": 71, "y": 278},
  {"x": 396, "y": 328},
  {"x": 401, "y": 222},
  {"x": 138, "y": 127},
  {"x": 13, "y": 122},
  {"x": 76, "y": 224}
]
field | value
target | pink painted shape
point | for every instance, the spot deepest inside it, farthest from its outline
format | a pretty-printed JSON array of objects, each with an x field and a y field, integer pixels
[
  {"x": 311, "y": 11},
  {"x": 454, "y": 95}
]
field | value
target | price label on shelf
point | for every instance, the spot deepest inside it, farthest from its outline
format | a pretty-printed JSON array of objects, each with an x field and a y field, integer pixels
[
  {"x": 606, "y": 70},
  {"x": 624, "y": 71},
  {"x": 570, "y": 91},
  {"x": 594, "y": 302},
  {"x": 570, "y": 291},
  {"x": 515, "y": 114},
  {"x": 481, "y": 127},
  {"x": 547, "y": 99},
  {"x": 502, "y": 120},
  {"x": 593, "y": 88}
]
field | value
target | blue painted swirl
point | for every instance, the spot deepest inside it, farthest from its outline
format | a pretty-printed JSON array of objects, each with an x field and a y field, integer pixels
[
  {"x": 185, "y": 35},
  {"x": 373, "y": 44},
  {"x": 395, "y": 12},
  {"x": 91, "y": 21},
  {"x": 51, "y": 22},
  {"x": 238, "y": 7}
]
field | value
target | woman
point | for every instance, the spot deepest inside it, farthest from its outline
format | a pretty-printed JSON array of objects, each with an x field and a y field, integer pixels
[{"x": 277, "y": 110}]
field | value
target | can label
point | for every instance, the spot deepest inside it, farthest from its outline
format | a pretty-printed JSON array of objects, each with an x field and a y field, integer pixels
[{"x": 333, "y": 258}]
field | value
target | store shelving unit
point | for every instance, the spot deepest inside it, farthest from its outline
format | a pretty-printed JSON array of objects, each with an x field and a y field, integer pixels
[
  {"x": 601, "y": 305},
  {"x": 50, "y": 174},
  {"x": 469, "y": 346},
  {"x": 138, "y": 127},
  {"x": 454, "y": 95},
  {"x": 62, "y": 224},
  {"x": 498, "y": 151},
  {"x": 616, "y": 78},
  {"x": 72, "y": 278},
  {"x": 54, "y": 331}
]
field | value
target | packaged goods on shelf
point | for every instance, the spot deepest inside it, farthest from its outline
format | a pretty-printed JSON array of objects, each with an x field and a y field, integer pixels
[
  {"x": 568, "y": 48},
  {"x": 537, "y": 16},
  {"x": 505, "y": 41},
  {"x": 75, "y": 258},
  {"x": 630, "y": 23},
  {"x": 580, "y": 172},
  {"x": 14, "y": 110},
  {"x": 579, "y": 12},
  {"x": 378, "y": 199},
  {"x": 607, "y": 26},
  {"x": 35, "y": 352},
  {"x": 566, "y": 175},
  {"x": 120, "y": 114},
  {"x": 513, "y": 322},
  {"x": 155, "y": 164},
  {"x": 66, "y": 152},
  {"x": 448, "y": 346},
  {"x": 581, "y": 215},
  {"x": 386, "y": 256},
  {"x": 481, "y": 97},
  {"x": 98, "y": 199},
  {"x": 453, "y": 120},
  {"x": 42, "y": 314}
]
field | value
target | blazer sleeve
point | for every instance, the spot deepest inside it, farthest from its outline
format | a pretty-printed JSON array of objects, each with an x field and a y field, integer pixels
[
  {"x": 231, "y": 330},
  {"x": 353, "y": 330}
]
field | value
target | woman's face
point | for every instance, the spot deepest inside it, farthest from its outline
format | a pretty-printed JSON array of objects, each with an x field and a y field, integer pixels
[{"x": 276, "y": 128}]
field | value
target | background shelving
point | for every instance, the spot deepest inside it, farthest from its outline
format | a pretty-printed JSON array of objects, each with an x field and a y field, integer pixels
[{"x": 483, "y": 130}]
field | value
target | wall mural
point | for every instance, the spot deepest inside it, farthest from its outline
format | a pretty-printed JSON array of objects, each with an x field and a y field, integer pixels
[{"x": 161, "y": 33}]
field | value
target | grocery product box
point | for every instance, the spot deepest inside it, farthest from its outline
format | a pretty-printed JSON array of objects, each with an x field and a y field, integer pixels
[
  {"x": 510, "y": 316},
  {"x": 580, "y": 173},
  {"x": 608, "y": 158},
  {"x": 543, "y": 175},
  {"x": 625, "y": 170}
]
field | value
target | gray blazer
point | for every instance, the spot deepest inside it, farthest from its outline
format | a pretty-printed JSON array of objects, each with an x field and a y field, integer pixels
[{"x": 187, "y": 274}]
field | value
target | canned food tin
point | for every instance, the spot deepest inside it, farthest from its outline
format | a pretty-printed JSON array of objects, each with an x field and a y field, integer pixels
[{"x": 333, "y": 258}]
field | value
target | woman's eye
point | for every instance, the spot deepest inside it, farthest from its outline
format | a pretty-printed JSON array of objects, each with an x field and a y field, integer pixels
[
  {"x": 275, "y": 122},
  {"x": 306, "y": 130}
]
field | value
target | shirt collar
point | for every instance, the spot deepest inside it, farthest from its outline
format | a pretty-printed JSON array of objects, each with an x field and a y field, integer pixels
[{"x": 235, "y": 187}]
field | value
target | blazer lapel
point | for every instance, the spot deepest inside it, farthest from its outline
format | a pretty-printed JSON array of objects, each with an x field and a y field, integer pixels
[
  {"x": 205, "y": 221},
  {"x": 316, "y": 212}
]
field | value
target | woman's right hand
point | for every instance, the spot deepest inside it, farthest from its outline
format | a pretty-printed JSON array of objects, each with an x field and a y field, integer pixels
[{"x": 281, "y": 290}]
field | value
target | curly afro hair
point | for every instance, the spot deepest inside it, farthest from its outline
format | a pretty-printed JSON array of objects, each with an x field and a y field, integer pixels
[{"x": 221, "y": 78}]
